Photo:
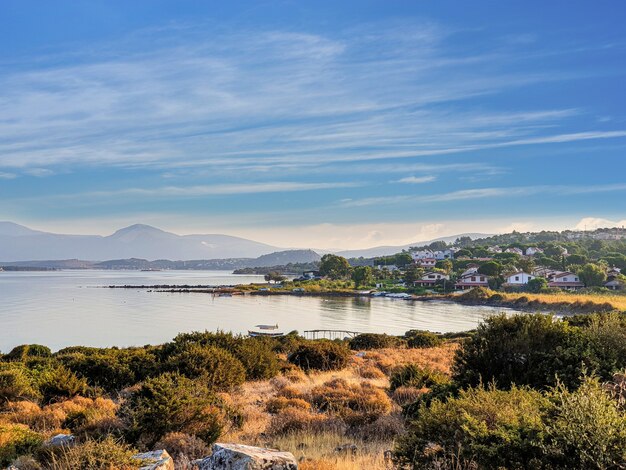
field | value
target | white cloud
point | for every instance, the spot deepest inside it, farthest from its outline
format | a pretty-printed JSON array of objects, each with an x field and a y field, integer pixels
[
  {"x": 592, "y": 223},
  {"x": 7, "y": 176},
  {"x": 417, "y": 179}
]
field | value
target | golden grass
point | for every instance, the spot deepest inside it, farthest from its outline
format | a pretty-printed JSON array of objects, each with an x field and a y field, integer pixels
[{"x": 616, "y": 301}]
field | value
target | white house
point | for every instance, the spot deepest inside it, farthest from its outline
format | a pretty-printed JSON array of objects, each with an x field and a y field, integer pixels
[
  {"x": 472, "y": 280},
  {"x": 427, "y": 262},
  {"x": 422, "y": 254},
  {"x": 533, "y": 250},
  {"x": 430, "y": 278},
  {"x": 515, "y": 250},
  {"x": 518, "y": 279},
  {"x": 566, "y": 280},
  {"x": 494, "y": 249},
  {"x": 444, "y": 254},
  {"x": 471, "y": 269}
]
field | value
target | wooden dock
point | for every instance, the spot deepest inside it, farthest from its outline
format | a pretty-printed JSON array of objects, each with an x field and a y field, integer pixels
[{"x": 330, "y": 334}]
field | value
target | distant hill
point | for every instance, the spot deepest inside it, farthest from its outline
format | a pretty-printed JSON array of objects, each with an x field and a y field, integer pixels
[
  {"x": 137, "y": 241},
  {"x": 282, "y": 258},
  {"x": 391, "y": 250}
]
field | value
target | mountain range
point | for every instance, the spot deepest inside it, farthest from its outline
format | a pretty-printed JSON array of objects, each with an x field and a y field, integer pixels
[{"x": 20, "y": 243}]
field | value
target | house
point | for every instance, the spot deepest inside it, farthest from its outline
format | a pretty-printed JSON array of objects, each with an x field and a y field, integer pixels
[
  {"x": 470, "y": 269},
  {"x": 494, "y": 249},
  {"x": 566, "y": 280},
  {"x": 515, "y": 250},
  {"x": 431, "y": 278},
  {"x": 444, "y": 254},
  {"x": 533, "y": 250},
  {"x": 422, "y": 254},
  {"x": 543, "y": 271},
  {"x": 519, "y": 278},
  {"x": 427, "y": 262},
  {"x": 472, "y": 280},
  {"x": 388, "y": 267},
  {"x": 614, "y": 284}
]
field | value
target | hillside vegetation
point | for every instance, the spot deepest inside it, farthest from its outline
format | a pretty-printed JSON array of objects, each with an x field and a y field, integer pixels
[{"x": 528, "y": 391}]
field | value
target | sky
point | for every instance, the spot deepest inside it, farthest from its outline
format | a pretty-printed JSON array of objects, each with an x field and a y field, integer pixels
[{"x": 313, "y": 123}]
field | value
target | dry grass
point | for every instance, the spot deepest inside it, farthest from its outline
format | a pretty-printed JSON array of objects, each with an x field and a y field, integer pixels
[
  {"x": 313, "y": 434},
  {"x": 585, "y": 300}
]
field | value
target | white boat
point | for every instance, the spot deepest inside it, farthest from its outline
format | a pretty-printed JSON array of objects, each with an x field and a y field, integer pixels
[{"x": 266, "y": 330}]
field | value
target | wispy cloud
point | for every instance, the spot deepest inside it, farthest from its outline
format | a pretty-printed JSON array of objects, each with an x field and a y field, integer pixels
[
  {"x": 417, "y": 179},
  {"x": 483, "y": 193},
  {"x": 7, "y": 176}
]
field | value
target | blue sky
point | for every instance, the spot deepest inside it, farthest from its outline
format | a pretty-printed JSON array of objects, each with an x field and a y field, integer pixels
[{"x": 325, "y": 124}]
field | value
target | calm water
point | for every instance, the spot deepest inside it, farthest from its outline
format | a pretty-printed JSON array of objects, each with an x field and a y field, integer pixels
[{"x": 64, "y": 308}]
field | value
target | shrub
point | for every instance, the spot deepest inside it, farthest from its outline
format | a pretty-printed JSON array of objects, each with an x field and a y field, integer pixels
[
  {"x": 59, "y": 383},
  {"x": 372, "y": 341},
  {"x": 258, "y": 358},
  {"x": 26, "y": 351},
  {"x": 587, "y": 429},
  {"x": 15, "y": 384},
  {"x": 356, "y": 404},
  {"x": 112, "y": 369},
  {"x": 477, "y": 294},
  {"x": 215, "y": 366},
  {"x": 488, "y": 427},
  {"x": 179, "y": 444},
  {"x": 371, "y": 372},
  {"x": 104, "y": 454},
  {"x": 292, "y": 420},
  {"x": 422, "y": 339},
  {"x": 320, "y": 355},
  {"x": 528, "y": 349},
  {"x": 277, "y": 404},
  {"x": 412, "y": 375},
  {"x": 16, "y": 440},
  {"x": 171, "y": 403}
]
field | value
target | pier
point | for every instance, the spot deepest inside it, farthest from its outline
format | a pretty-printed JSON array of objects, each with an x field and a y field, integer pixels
[{"x": 330, "y": 334}]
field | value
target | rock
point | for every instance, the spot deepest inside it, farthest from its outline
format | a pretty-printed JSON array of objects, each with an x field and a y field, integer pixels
[
  {"x": 60, "y": 440},
  {"x": 242, "y": 457},
  {"x": 160, "y": 460}
]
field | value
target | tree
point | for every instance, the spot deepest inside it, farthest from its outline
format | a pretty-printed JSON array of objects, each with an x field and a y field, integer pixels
[
  {"x": 526, "y": 264},
  {"x": 334, "y": 267},
  {"x": 362, "y": 276},
  {"x": 592, "y": 275},
  {"x": 438, "y": 245},
  {"x": 403, "y": 259},
  {"x": 274, "y": 276},
  {"x": 537, "y": 284},
  {"x": 414, "y": 273},
  {"x": 447, "y": 266},
  {"x": 490, "y": 268}
]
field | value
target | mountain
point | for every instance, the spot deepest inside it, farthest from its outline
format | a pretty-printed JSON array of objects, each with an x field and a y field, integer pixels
[
  {"x": 391, "y": 250},
  {"x": 137, "y": 241},
  {"x": 282, "y": 258}
]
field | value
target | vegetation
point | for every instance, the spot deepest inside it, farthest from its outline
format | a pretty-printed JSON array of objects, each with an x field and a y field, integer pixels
[{"x": 524, "y": 391}]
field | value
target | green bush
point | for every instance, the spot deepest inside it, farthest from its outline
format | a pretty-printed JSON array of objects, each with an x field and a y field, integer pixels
[
  {"x": 214, "y": 366},
  {"x": 412, "y": 375},
  {"x": 372, "y": 341},
  {"x": 25, "y": 351},
  {"x": 586, "y": 428},
  {"x": 258, "y": 358},
  {"x": 16, "y": 440},
  {"x": 171, "y": 403},
  {"x": 320, "y": 355},
  {"x": 422, "y": 339},
  {"x": 16, "y": 384},
  {"x": 481, "y": 428},
  {"x": 112, "y": 369},
  {"x": 528, "y": 349},
  {"x": 60, "y": 383}
]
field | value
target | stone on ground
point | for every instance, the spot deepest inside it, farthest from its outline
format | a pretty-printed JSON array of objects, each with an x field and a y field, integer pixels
[{"x": 242, "y": 457}]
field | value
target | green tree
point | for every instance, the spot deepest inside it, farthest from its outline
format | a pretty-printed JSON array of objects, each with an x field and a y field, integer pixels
[
  {"x": 412, "y": 274},
  {"x": 592, "y": 275},
  {"x": 362, "y": 276},
  {"x": 274, "y": 276},
  {"x": 335, "y": 267},
  {"x": 447, "y": 266},
  {"x": 490, "y": 268},
  {"x": 537, "y": 284}
]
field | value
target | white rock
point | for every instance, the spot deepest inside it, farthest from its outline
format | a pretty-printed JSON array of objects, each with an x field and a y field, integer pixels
[
  {"x": 242, "y": 457},
  {"x": 160, "y": 458},
  {"x": 60, "y": 440}
]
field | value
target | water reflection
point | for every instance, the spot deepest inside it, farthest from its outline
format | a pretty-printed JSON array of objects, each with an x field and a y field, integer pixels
[{"x": 67, "y": 308}]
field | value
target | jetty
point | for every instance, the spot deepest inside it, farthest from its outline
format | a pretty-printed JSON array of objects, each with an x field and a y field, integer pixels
[{"x": 330, "y": 334}]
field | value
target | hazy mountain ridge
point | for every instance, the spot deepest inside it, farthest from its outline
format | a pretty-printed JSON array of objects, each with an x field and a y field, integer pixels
[{"x": 136, "y": 241}]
